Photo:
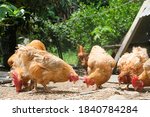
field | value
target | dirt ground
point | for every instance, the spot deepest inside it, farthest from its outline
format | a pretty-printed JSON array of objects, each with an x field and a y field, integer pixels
[{"x": 78, "y": 91}]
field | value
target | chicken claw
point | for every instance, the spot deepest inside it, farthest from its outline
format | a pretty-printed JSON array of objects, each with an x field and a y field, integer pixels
[{"x": 46, "y": 89}]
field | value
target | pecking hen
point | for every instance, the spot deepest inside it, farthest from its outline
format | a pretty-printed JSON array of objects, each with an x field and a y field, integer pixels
[
  {"x": 138, "y": 82},
  {"x": 17, "y": 69},
  {"x": 43, "y": 67},
  {"x": 131, "y": 64},
  {"x": 100, "y": 66}
]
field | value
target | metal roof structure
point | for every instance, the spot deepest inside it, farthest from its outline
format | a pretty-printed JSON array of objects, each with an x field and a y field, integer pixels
[{"x": 146, "y": 11}]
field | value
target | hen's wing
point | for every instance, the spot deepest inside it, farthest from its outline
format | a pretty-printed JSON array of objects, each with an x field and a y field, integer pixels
[{"x": 43, "y": 58}]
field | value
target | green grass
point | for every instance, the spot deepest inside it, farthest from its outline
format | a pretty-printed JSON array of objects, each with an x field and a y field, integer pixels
[{"x": 70, "y": 57}]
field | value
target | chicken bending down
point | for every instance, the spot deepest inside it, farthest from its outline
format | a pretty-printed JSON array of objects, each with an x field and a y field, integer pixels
[
  {"x": 17, "y": 69},
  {"x": 138, "y": 82},
  {"x": 43, "y": 67},
  {"x": 100, "y": 66},
  {"x": 131, "y": 64}
]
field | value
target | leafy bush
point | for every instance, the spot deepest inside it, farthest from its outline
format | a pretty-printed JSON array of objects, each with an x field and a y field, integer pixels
[
  {"x": 13, "y": 16},
  {"x": 91, "y": 25}
]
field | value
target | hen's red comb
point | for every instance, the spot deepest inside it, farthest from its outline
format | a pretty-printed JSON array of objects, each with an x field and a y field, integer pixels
[{"x": 134, "y": 79}]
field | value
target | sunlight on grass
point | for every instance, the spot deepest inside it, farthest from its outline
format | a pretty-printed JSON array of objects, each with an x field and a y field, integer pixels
[{"x": 70, "y": 57}]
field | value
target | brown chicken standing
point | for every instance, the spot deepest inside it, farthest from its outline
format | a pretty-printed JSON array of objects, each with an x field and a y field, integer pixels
[
  {"x": 100, "y": 66},
  {"x": 43, "y": 67}
]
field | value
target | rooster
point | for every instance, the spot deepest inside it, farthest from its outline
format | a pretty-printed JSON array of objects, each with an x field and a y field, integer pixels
[
  {"x": 43, "y": 67},
  {"x": 17, "y": 69},
  {"x": 138, "y": 82},
  {"x": 100, "y": 66},
  {"x": 131, "y": 64},
  {"x": 82, "y": 56}
]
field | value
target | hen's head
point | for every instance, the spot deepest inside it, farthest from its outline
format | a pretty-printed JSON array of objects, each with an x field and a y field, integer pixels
[
  {"x": 73, "y": 77},
  {"x": 137, "y": 84},
  {"x": 17, "y": 82},
  {"x": 88, "y": 81},
  {"x": 124, "y": 79}
]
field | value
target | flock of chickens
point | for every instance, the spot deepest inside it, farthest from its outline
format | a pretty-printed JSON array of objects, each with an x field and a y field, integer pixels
[
  {"x": 133, "y": 67},
  {"x": 32, "y": 64}
]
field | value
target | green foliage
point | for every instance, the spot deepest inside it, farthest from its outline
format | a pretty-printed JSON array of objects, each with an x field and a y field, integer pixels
[
  {"x": 73, "y": 22},
  {"x": 70, "y": 57},
  {"x": 13, "y": 16},
  {"x": 91, "y": 25},
  {"x": 8, "y": 11}
]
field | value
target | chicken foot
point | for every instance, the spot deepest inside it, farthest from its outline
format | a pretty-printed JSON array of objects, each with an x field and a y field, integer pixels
[
  {"x": 33, "y": 86},
  {"x": 28, "y": 86},
  {"x": 98, "y": 87},
  {"x": 46, "y": 88}
]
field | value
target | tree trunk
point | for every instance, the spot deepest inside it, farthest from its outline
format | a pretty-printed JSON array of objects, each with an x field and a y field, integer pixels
[
  {"x": 8, "y": 44},
  {"x": 56, "y": 42},
  {"x": 59, "y": 49}
]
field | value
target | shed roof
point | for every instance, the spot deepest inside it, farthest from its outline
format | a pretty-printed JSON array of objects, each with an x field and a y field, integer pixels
[
  {"x": 139, "y": 32},
  {"x": 146, "y": 11}
]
